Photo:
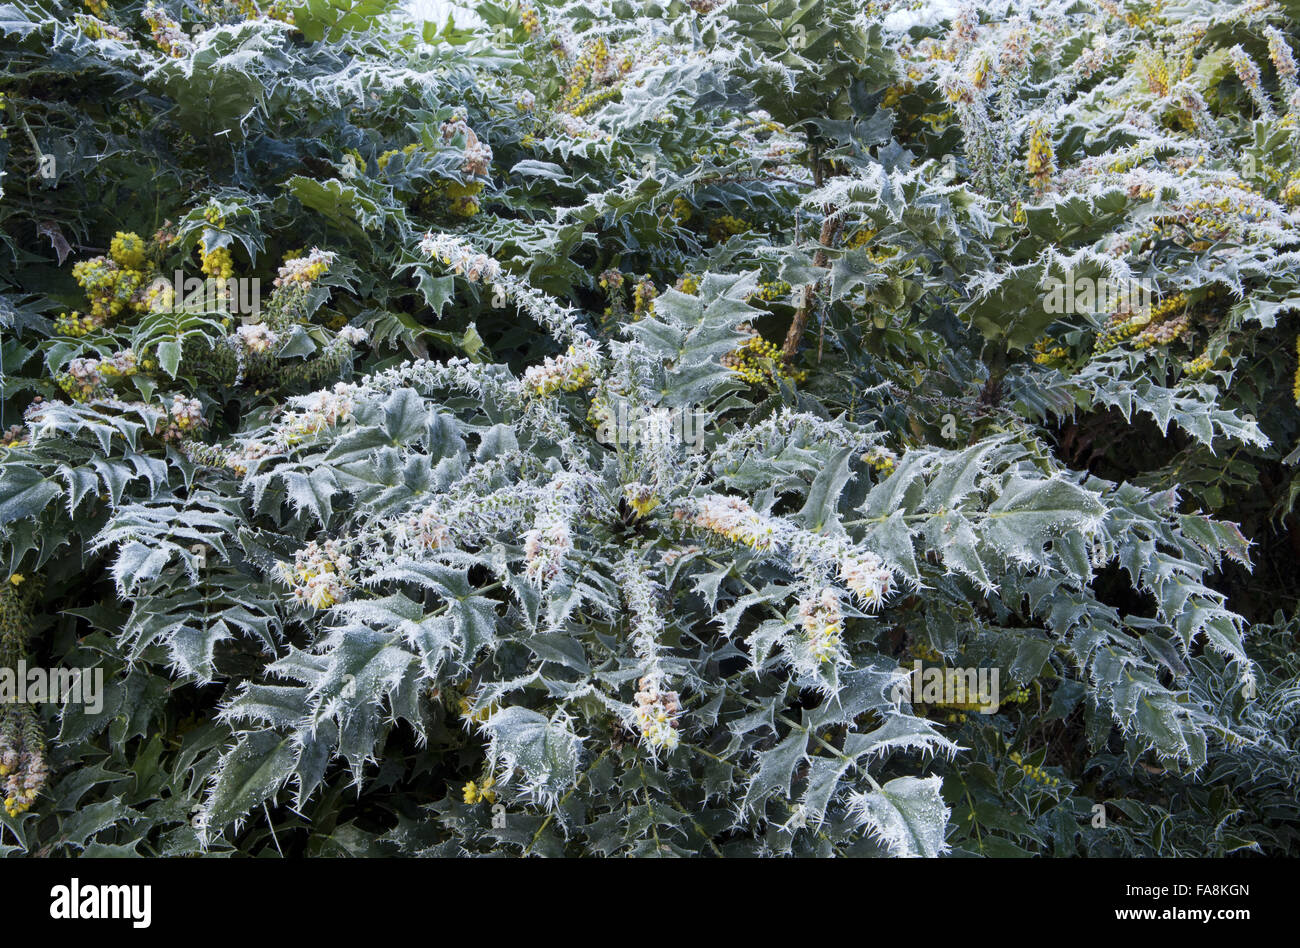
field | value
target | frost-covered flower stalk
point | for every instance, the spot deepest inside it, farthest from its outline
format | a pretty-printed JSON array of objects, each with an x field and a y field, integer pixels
[
  {"x": 184, "y": 418},
  {"x": 655, "y": 714},
  {"x": 1039, "y": 163},
  {"x": 561, "y": 321},
  {"x": 641, "y": 592},
  {"x": 23, "y": 766},
  {"x": 303, "y": 272},
  {"x": 736, "y": 520},
  {"x": 985, "y": 149},
  {"x": 812, "y": 555},
  {"x": 463, "y": 259},
  {"x": 316, "y": 412},
  {"x": 656, "y": 708},
  {"x": 1279, "y": 51},
  {"x": 429, "y": 531},
  {"x": 478, "y": 155},
  {"x": 256, "y": 338},
  {"x": 576, "y": 127},
  {"x": 319, "y": 574},
  {"x": 166, "y": 32},
  {"x": 864, "y": 575},
  {"x": 822, "y": 619},
  {"x": 568, "y": 372},
  {"x": 1248, "y": 72},
  {"x": 546, "y": 546}
]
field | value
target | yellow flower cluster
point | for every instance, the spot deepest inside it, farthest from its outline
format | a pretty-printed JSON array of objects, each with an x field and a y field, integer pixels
[
  {"x": 976, "y": 702},
  {"x": 184, "y": 418},
  {"x": 114, "y": 282},
  {"x": 383, "y": 160},
  {"x": 528, "y": 16},
  {"x": 1162, "y": 334},
  {"x": 643, "y": 297},
  {"x": 600, "y": 417},
  {"x": 822, "y": 620},
  {"x": 109, "y": 287},
  {"x": 863, "y": 236},
  {"x": 217, "y": 263},
  {"x": 303, "y": 271},
  {"x": 1118, "y": 329},
  {"x": 1155, "y": 72},
  {"x": 128, "y": 250},
  {"x": 893, "y": 94},
  {"x": 1039, "y": 161},
  {"x": 84, "y": 377},
  {"x": 641, "y": 498},
  {"x": 318, "y": 574},
  {"x": 166, "y": 32},
  {"x": 1019, "y": 696},
  {"x": 464, "y": 197},
  {"x": 321, "y": 410},
  {"x": 466, "y": 707},
  {"x": 98, "y": 29},
  {"x": 759, "y": 362},
  {"x": 592, "y": 68},
  {"x": 1206, "y": 221},
  {"x": 593, "y": 100},
  {"x": 22, "y": 759},
  {"x": 1123, "y": 325},
  {"x": 881, "y": 460},
  {"x": 1046, "y": 353},
  {"x": 1291, "y": 193},
  {"x": 480, "y": 792},
  {"x": 74, "y": 324},
  {"x": 726, "y": 225},
  {"x": 1036, "y": 774},
  {"x": 688, "y": 284},
  {"x": 656, "y": 714},
  {"x": 859, "y": 237},
  {"x": 276, "y": 10},
  {"x": 767, "y": 292},
  {"x": 570, "y": 372}
]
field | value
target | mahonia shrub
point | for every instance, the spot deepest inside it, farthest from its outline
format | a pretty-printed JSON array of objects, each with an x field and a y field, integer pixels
[{"x": 569, "y": 436}]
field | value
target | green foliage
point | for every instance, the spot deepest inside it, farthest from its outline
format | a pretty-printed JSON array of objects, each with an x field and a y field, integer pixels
[{"x": 398, "y": 421}]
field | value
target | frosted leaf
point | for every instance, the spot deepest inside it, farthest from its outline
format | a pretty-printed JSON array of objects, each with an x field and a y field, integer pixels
[
  {"x": 545, "y": 750},
  {"x": 907, "y": 815}
]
